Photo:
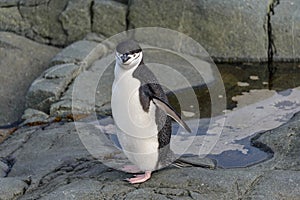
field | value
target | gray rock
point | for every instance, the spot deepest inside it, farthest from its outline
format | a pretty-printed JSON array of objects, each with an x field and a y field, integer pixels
[
  {"x": 285, "y": 142},
  {"x": 82, "y": 98},
  {"x": 12, "y": 188},
  {"x": 44, "y": 92},
  {"x": 43, "y": 17},
  {"x": 286, "y": 31},
  {"x": 90, "y": 92},
  {"x": 228, "y": 30},
  {"x": 3, "y": 169},
  {"x": 48, "y": 89},
  {"x": 11, "y": 19},
  {"x": 81, "y": 190},
  {"x": 22, "y": 61},
  {"x": 109, "y": 17},
  {"x": 60, "y": 167},
  {"x": 279, "y": 185},
  {"x": 69, "y": 71},
  {"x": 32, "y": 116},
  {"x": 76, "y": 19},
  {"x": 8, "y": 3},
  {"x": 81, "y": 52},
  {"x": 145, "y": 193},
  {"x": 43, "y": 151}
]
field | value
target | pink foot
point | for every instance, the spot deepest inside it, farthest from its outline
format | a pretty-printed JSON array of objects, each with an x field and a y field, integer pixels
[
  {"x": 140, "y": 178},
  {"x": 131, "y": 169}
]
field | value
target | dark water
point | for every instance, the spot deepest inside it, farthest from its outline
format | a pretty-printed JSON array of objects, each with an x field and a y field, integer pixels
[
  {"x": 286, "y": 76},
  {"x": 256, "y": 76}
]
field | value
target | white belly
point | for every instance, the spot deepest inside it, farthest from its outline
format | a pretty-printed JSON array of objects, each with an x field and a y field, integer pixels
[{"x": 139, "y": 138}]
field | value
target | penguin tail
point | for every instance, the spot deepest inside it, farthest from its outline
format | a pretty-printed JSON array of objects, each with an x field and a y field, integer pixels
[{"x": 183, "y": 163}]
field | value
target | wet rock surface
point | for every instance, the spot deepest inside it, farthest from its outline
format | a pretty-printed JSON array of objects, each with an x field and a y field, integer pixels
[{"x": 284, "y": 141}]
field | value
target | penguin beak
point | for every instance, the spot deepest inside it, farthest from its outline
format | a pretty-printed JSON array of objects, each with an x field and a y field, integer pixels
[{"x": 125, "y": 57}]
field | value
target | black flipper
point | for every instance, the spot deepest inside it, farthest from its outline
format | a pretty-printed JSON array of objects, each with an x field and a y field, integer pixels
[{"x": 171, "y": 112}]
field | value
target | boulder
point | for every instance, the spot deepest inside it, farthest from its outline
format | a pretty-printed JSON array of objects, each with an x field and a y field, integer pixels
[
  {"x": 81, "y": 52},
  {"x": 109, "y": 17},
  {"x": 12, "y": 188},
  {"x": 286, "y": 31},
  {"x": 43, "y": 15},
  {"x": 11, "y": 19},
  {"x": 76, "y": 19},
  {"x": 228, "y": 30},
  {"x": 22, "y": 61}
]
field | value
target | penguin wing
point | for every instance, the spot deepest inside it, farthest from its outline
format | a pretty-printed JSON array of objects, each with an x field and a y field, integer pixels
[{"x": 171, "y": 112}]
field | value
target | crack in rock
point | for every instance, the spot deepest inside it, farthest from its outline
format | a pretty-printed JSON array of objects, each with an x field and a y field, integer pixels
[{"x": 271, "y": 44}]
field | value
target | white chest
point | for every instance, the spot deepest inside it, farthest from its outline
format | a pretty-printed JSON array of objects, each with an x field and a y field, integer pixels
[{"x": 127, "y": 109}]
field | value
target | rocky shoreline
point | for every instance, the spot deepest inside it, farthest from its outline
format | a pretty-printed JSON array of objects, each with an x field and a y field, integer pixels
[
  {"x": 50, "y": 162},
  {"x": 45, "y": 157}
]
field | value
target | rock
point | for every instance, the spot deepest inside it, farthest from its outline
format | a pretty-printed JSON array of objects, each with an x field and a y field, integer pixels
[
  {"x": 48, "y": 89},
  {"x": 11, "y": 19},
  {"x": 12, "y": 188},
  {"x": 3, "y": 168},
  {"x": 81, "y": 190},
  {"x": 60, "y": 23},
  {"x": 45, "y": 149},
  {"x": 286, "y": 31},
  {"x": 22, "y": 61},
  {"x": 5, "y": 133},
  {"x": 69, "y": 71},
  {"x": 76, "y": 19},
  {"x": 44, "y": 92},
  {"x": 89, "y": 92},
  {"x": 8, "y": 3},
  {"x": 280, "y": 185},
  {"x": 285, "y": 142},
  {"x": 109, "y": 17},
  {"x": 53, "y": 83},
  {"x": 82, "y": 98},
  {"x": 43, "y": 17},
  {"x": 231, "y": 30},
  {"x": 34, "y": 116},
  {"x": 81, "y": 52},
  {"x": 57, "y": 158}
]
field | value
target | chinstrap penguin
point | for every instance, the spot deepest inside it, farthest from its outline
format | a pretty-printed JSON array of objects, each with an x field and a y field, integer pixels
[{"x": 141, "y": 110}]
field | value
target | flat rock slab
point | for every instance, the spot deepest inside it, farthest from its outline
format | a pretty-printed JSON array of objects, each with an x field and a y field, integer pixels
[
  {"x": 22, "y": 61},
  {"x": 286, "y": 30},
  {"x": 285, "y": 142},
  {"x": 81, "y": 52},
  {"x": 54, "y": 162},
  {"x": 12, "y": 188}
]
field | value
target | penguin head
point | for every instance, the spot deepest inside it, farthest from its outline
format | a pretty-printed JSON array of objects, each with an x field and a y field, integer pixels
[{"x": 128, "y": 54}]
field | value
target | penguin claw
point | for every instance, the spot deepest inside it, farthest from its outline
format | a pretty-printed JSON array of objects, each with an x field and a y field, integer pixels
[{"x": 139, "y": 178}]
